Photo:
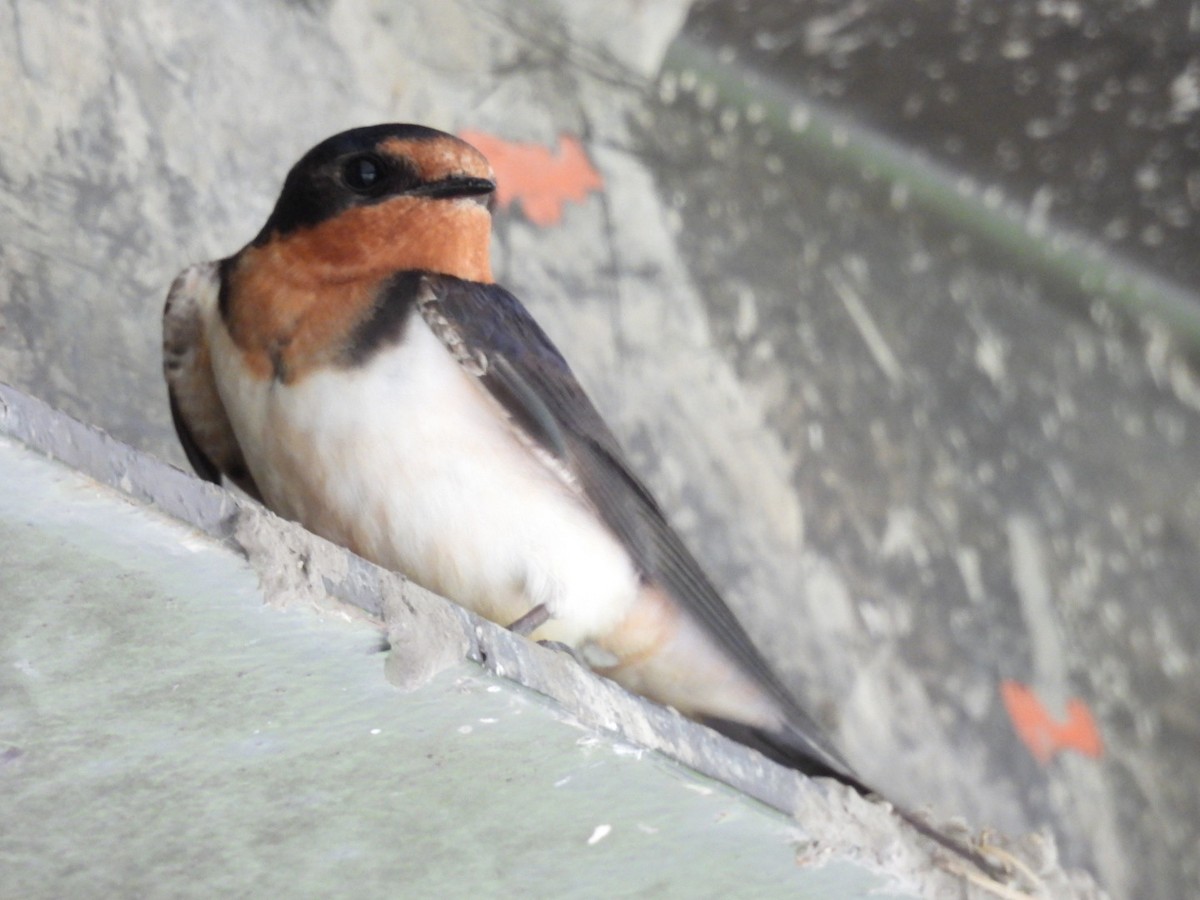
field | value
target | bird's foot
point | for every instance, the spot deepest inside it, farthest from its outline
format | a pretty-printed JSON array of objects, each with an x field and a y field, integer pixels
[
  {"x": 531, "y": 621},
  {"x": 567, "y": 649},
  {"x": 535, "y": 619}
]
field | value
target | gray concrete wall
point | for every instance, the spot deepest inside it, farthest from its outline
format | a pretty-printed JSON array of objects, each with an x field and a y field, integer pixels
[{"x": 907, "y": 420}]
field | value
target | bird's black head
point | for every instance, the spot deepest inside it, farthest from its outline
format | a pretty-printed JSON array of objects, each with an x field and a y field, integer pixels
[{"x": 367, "y": 166}]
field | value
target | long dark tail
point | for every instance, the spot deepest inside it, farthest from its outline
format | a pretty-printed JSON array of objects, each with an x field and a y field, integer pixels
[{"x": 796, "y": 750}]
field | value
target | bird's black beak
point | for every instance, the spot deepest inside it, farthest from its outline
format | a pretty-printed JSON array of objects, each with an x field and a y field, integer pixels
[{"x": 454, "y": 186}]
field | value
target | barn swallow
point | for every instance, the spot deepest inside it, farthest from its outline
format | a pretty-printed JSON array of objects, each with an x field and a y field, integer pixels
[{"x": 356, "y": 368}]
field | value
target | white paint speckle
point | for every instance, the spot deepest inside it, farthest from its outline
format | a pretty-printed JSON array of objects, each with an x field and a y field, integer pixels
[
  {"x": 465, "y": 729},
  {"x": 599, "y": 834},
  {"x": 1185, "y": 92},
  {"x": 816, "y": 436},
  {"x": 1152, "y": 235},
  {"x": 1070, "y": 11},
  {"x": 1039, "y": 129},
  {"x": 825, "y": 590},
  {"x": 1016, "y": 48},
  {"x": 902, "y": 536},
  {"x": 991, "y": 356},
  {"x": 971, "y": 572},
  {"x": 26, "y": 668},
  {"x": 376, "y": 731},
  {"x": 746, "y": 322},
  {"x": 1039, "y": 210},
  {"x": 1147, "y": 177},
  {"x": 668, "y": 88}
]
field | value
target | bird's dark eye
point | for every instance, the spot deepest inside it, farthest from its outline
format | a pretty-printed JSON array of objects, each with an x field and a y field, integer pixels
[{"x": 363, "y": 173}]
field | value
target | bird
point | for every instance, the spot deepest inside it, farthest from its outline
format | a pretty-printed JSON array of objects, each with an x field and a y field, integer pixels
[{"x": 356, "y": 368}]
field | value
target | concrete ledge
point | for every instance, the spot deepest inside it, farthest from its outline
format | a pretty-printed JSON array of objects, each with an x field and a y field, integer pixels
[{"x": 429, "y": 636}]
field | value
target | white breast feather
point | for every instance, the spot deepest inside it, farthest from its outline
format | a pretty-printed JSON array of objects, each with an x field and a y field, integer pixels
[{"x": 408, "y": 463}]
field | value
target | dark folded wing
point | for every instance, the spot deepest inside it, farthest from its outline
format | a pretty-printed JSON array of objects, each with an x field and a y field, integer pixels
[
  {"x": 496, "y": 340},
  {"x": 196, "y": 409}
]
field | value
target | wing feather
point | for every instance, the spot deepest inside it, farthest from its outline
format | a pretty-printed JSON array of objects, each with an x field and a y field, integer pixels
[
  {"x": 196, "y": 408},
  {"x": 523, "y": 371}
]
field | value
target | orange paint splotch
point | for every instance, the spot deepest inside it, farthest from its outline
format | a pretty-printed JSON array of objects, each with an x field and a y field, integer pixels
[
  {"x": 1042, "y": 733},
  {"x": 541, "y": 179}
]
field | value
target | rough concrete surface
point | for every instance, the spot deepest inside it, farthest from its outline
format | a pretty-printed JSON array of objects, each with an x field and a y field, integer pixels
[
  {"x": 164, "y": 733},
  {"x": 867, "y": 325},
  {"x": 146, "y": 682}
]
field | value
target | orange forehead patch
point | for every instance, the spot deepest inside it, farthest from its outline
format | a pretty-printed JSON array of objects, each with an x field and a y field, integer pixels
[{"x": 439, "y": 158}]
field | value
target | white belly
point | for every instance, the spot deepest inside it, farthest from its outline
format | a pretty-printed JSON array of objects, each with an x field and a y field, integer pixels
[{"x": 406, "y": 462}]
